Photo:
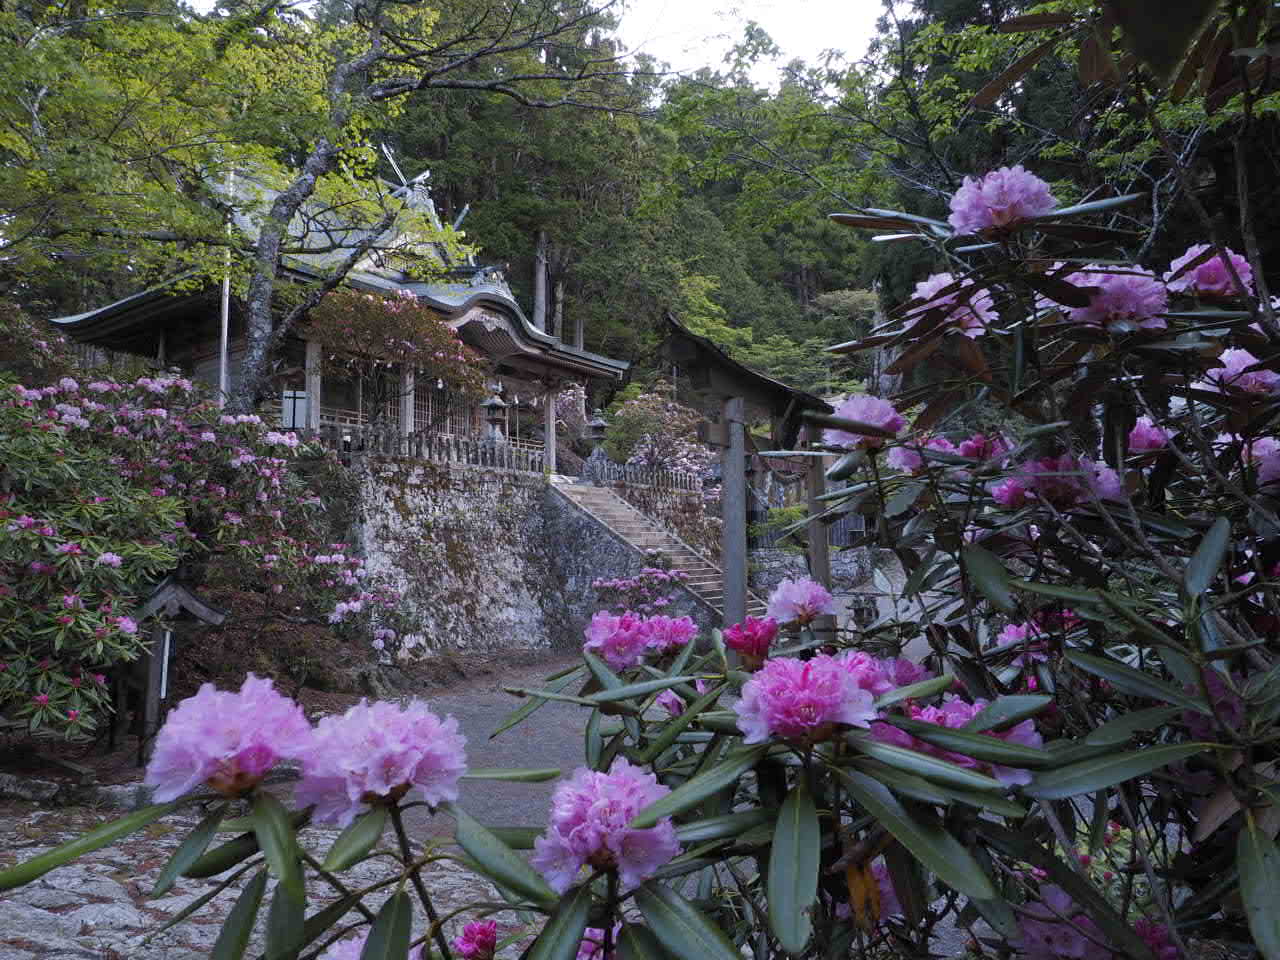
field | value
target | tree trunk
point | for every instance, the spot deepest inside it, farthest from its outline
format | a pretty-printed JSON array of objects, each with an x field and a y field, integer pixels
[
  {"x": 540, "y": 282},
  {"x": 557, "y": 317},
  {"x": 579, "y": 331}
]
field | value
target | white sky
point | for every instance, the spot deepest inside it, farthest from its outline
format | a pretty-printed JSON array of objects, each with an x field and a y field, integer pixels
[{"x": 689, "y": 34}]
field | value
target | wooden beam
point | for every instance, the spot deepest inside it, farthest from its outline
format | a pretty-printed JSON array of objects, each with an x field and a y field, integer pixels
[
  {"x": 819, "y": 550},
  {"x": 549, "y": 427},
  {"x": 733, "y": 506}
]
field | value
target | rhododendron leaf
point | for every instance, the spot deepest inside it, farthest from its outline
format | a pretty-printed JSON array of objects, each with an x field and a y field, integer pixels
[
  {"x": 915, "y": 691},
  {"x": 1207, "y": 560},
  {"x": 600, "y": 670},
  {"x": 989, "y": 576},
  {"x": 233, "y": 938},
  {"x": 562, "y": 935},
  {"x": 725, "y": 825},
  {"x": 521, "y": 712},
  {"x": 630, "y": 690},
  {"x": 1108, "y": 770},
  {"x": 1059, "y": 592},
  {"x": 1097, "y": 206},
  {"x": 517, "y": 838},
  {"x": 279, "y": 844},
  {"x": 190, "y": 850},
  {"x": 544, "y": 695},
  {"x": 322, "y": 920},
  {"x": 997, "y": 86},
  {"x": 696, "y": 790},
  {"x": 1258, "y": 861},
  {"x": 980, "y": 746},
  {"x": 1007, "y": 711},
  {"x": 1134, "y": 681},
  {"x": 676, "y": 725},
  {"x": 528, "y": 775},
  {"x": 681, "y": 927},
  {"x": 1120, "y": 729},
  {"x": 505, "y": 865},
  {"x": 931, "y": 845},
  {"x": 392, "y": 928},
  {"x": 793, "y": 869},
  {"x": 852, "y": 426},
  {"x": 636, "y": 942},
  {"x": 357, "y": 840},
  {"x": 593, "y": 740},
  {"x": 923, "y": 765},
  {"x": 904, "y": 498},
  {"x": 95, "y": 839},
  {"x": 285, "y": 924},
  {"x": 235, "y": 851},
  {"x": 906, "y": 784}
]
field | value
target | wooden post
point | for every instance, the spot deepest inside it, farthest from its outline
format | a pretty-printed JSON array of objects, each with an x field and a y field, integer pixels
[
  {"x": 733, "y": 505},
  {"x": 819, "y": 550},
  {"x": 549, "y": 428},
  {"x": 313, "y": 385},
  {"x": 406, "y": 402}
]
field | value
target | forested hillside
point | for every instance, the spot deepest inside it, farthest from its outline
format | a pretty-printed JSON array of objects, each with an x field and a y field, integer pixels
[{"x": 610, "y": 190}]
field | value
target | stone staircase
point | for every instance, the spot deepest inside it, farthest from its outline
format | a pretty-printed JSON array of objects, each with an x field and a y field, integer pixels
[{"x": 705, "y": 580}]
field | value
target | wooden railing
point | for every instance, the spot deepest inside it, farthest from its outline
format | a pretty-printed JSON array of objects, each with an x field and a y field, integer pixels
[{"x": 350, "y": 442}]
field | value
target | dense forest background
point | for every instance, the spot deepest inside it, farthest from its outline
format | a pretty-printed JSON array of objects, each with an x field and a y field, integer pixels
[{"x": 703, "y": 195}]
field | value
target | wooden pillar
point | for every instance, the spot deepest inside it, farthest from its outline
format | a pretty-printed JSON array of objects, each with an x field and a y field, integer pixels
[
  {"x": 313, "y": 385},
  {"x": 733, "y": 506},
  {"x": 406, "y": 402},
  {"x": 819, "y": 549},
  {"x": 549, "y": 428}
]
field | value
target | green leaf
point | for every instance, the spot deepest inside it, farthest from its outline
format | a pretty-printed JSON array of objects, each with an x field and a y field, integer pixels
[
  {"x": 680, "y": 927},
  {"x": 696, "y": 790},
  {"x": 357, "y": 840},
  {"x": 915, "y": 691},
  {"x": 1205, "y": 562},
  {"x": 96, "y": 839},
  {"x": 543, "y": 695},
  {"x": 227, "y": 855},
  {"x": 530, "y": 775},
  {"x": 725, "y": 825},
  {"x": 1258, "y": 861},
  {"x": 500, "y": 861},
  {"x": 517, "y": 838},
  {"x": 523, "y": 711},
  {"x": 1007, "y": 711},
  {"x": 903, "y": 499},
  {"x": 1096, "y": 206},
  {"x": 676, "y": 725},
  {"x": 1134, "y": 681},
  {"x": 929, "y": 843},
  {"x": 637, "y": 689},
  {"x": 638, "y": 943},
  {"x": 322, "y": 920},
  {"x": 391, "y": 930},
  {"x": 233, "y": 938},
  {"x": 562, "y": 935},
  {"x": 989, "y": 576},
  {"x": 1108, "y": 770},
  {"x": 923, "y": 765},
  {"x": 276, "y": 838},
  {"x": 601, "y": 671},
  {"x": 285, "y": 924},
  {"x": 1120, "y": 729},
  {"x": 593, "y": 741},
  {"x": 190, "y": 850},
  {"x": 1059, "y": 592},
  {"x": 793, "y": 869},
  {"x": 980, "y": 746}
]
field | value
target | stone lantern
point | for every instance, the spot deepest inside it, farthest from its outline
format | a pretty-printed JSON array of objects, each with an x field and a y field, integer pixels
[
  {"x": 495, "y": 415},
  {"x": 594, "y": 470}
]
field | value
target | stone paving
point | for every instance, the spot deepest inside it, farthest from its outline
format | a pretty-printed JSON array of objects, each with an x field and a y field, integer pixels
[{"x": 98, "y": 907}]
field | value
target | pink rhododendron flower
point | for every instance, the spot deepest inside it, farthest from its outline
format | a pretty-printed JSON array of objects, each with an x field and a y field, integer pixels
[
  {"x": 1027, "y": 636},
  {"x": 375, "y": 752},
  {"x": 864, "y": 408},
  {"x": 592, "y": 946},
  {"x": 1227, "y": 704},
  {"x": 799, "y": 601},
  {"x": 909, "y": 459},
  {"x": 801, "y": 701},
  {"x": 621, "y": 642},
  {"x": 880, "y": 676},
  {"x": 665, "y": 634},
  {"x": 670, "y": 701},
  {"x": 998, "y": 199},
  {"x": 1234, "y": 374},
  {"x": 1156, "y": 936},
  {"x": 1128, "y": 295},
  {"x": 1146, "y": 436},
  {"x": 478, "y": 941},
  {"x": 751, "y": 638},
  {"x": 955, "y": 713},
  {"x": 1012, "y": 493},
  {"x": 890, "y": 905},
  {"x": 40, "y": 699},
  {"x": 1211, "y": 276},
  {"x": 1063, "y": 481},
  {"x": 227, "y": 740},
  {"x": 969, "y": 308},
  {"x": 588, "y": 824},
  {"x": 1042, "y": 935},
  {"x": 983, "y": 447}
]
